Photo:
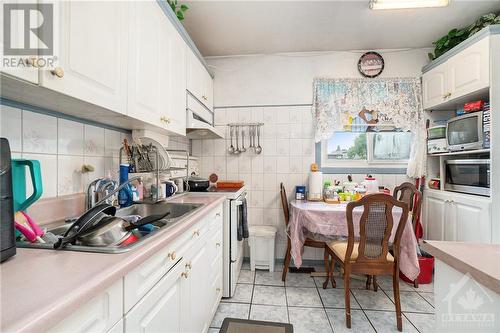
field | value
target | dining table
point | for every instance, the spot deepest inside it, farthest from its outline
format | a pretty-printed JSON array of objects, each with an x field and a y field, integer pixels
[{"x": 327, "y": 222}]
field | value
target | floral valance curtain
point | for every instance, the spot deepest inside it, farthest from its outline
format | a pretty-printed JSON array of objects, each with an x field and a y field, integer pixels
[{"x": 340, "y": 104}]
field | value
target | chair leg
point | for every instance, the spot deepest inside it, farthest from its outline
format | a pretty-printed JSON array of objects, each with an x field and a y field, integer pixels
[
  {"x": 415, "y": 283},
  {"x": 397, "y": 301},
  {"x": 329, "y": 273},
  {"x": 368, "y": 282},
  {"x": 332, "y": 268},
  {"x": 347, "y": 299},
  {"x": 326, "y": 259},
  {"x": 375, "y": 285},
  {"x": 287, "y": 262}
]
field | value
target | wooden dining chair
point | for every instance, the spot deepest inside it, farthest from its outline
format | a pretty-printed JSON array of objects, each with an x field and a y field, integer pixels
[
  {"x": 370, "y": 255},
  {"x": 409, "y": 194},
  {"x": 308, "y": 242}
]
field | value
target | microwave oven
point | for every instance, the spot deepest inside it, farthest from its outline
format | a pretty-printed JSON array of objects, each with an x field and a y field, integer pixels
[
  {"x": 468, "y": 131},
  {"x": 468, "y": 176}
]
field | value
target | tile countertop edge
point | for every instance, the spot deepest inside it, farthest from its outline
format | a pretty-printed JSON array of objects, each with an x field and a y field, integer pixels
[
  {"x": 448, "y": 252},
  {"x": 45, "y": 317}
]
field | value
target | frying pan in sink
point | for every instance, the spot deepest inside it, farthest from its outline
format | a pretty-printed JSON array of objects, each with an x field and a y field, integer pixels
[{"x": 114, "y": 230}]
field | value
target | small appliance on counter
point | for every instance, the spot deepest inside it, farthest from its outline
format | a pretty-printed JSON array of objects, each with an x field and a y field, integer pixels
[
  {"x": 436, "y": 140},
  {"x": 7, "y": 232},
  {"x": 300, "y": 192},
  {"x": 468, "y": 131},
  {"x": 470, "y": 176},
  {"x": 198, "y": 184}
]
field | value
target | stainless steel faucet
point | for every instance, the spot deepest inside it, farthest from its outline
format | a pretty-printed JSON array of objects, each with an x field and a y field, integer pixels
[
  {"x": 117, "y": 189},
  {"x": 98, "y": 189}
]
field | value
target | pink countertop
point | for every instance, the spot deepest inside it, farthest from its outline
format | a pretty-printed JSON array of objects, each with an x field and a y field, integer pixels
[
  {"x": 481, "y": 261},
  {"x": 41, "y": 287}
]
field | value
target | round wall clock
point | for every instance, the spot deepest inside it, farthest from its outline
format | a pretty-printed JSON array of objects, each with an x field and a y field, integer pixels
[{"x": 371, "y": 64}]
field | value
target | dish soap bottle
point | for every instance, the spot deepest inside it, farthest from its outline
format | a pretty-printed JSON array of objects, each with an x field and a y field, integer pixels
[{"x": 125, "y": 196}]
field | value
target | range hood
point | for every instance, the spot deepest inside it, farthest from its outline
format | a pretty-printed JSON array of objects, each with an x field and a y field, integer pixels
[{"x": 200, "y": 121}]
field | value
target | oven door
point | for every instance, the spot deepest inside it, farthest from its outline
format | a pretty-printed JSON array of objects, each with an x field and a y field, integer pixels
[{"x": 468, "y": 176}]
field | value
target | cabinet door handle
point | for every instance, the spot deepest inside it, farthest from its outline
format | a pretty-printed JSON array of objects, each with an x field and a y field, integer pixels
[
  {"x": 189, "y": 265},
  {"x": 185, "y": 275},
  {"x": 33, "y": 62},
  {"x": 58, "y": 71},
  {"x": 218, "y": 289},
  {"x": 196, "y": 233},
  {"x": 217, "y": 214},
  {"x": 217, "y": 244},
  {"x": 172, "y": 255}
]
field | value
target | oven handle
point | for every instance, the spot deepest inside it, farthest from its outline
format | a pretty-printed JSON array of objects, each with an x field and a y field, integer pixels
[{"x": 476, "y": 161}]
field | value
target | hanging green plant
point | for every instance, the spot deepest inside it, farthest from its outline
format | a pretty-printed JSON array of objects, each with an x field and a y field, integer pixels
[
  {"x": 456, "y": 36},
  {"x": 179, "y": 9}
]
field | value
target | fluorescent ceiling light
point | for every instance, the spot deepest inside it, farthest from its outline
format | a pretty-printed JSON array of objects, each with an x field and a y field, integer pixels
[{"x": 405, "y": 4}]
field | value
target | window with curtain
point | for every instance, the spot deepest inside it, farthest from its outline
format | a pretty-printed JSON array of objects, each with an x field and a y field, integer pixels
[{"x": 374, "y": 123}]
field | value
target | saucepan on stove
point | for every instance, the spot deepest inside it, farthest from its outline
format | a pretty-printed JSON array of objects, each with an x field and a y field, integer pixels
[
  {"x": 198, "y": 184},
  {"x": 99, "y": 227}
]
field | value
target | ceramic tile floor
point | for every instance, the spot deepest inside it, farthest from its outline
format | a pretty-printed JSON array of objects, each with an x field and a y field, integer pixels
[{"x": 303, "y": 302}]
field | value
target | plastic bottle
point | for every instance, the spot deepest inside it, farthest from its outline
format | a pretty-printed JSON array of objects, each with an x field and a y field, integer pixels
[{"x": 125, "y": 196}]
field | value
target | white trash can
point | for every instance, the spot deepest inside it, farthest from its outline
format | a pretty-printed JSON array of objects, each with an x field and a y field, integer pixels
[{"x": 261, "y": 242}]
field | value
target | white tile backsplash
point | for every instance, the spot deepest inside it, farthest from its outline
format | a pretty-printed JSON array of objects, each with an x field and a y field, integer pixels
[
  {"x": 11, "y": 127},
  {"x": 70, "y": 138},
  {"x": 62, "y": 147},
  {"x": 288, "y": 151},
  {"x": 94, "y": 140},
  {"x": 39, "y": 133}
]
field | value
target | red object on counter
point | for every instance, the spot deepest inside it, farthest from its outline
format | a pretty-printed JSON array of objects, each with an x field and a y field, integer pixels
[
  {"x": 230, "y": 184},
  {"x": 473, "y": 106}
]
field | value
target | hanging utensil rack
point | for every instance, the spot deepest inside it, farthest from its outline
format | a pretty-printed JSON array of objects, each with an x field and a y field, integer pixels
[{"x": 252, "y": 133}]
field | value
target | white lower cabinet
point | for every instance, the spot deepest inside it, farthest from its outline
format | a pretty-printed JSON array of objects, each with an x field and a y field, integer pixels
[
  {"x": 452, "y": 216},
  {"x": 161, "y": 309},
  {"x": 97, "y": 315},
  {"x": 177, "y": 290}
]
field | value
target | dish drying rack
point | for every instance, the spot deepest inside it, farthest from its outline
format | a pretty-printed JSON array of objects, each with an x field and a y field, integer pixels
[{"x": 149, "y": 156}]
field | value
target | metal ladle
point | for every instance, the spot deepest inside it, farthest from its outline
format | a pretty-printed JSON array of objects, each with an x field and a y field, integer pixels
[
  {"x": 230, "y": 150},
  {"x": 243, "y": 149},
  {"x": 258, "y": 149}
]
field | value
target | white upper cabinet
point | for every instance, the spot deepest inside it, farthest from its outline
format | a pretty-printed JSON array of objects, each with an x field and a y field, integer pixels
[
  {"x": 468, "y": 71},
  {"x": 465, "y": 73},
  {"x": 199, "y": 81},
  {"x": 434, "y": 86},
  {"x": 157, "y": 66},
  {"x": 148, "y": 92},
  {"x": 25, "y": 72},
  {"x": 92, "y": 59}
]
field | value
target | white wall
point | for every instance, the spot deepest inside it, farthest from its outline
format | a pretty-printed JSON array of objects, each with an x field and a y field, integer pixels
[
  {"x": 285, "y": 79},
  {"x": 267, "y": 89}
]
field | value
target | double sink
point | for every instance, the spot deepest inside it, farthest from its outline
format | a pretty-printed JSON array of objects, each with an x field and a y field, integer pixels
[{"x": 178, "y": 211}]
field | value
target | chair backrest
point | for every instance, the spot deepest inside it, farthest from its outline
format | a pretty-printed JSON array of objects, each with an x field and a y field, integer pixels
[
  {"x": 375, "y": 228},
  {"x": 284, "y": 203},
  {"x": 409, "y": 194}
]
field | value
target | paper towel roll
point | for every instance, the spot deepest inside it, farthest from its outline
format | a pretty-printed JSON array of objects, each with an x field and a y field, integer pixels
[{"x": 315, "y": 185}]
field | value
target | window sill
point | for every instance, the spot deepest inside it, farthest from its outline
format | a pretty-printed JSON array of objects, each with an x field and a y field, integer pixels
[{"x": 374, "y": 169}]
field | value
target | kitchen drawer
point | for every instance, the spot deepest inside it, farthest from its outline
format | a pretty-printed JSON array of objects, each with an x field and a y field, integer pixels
[
  {"x": 216, "y": 293},
  {"x": 97, "y": 315},
  {"x": 215, "y": 218},
  {"x": 139, "y": 281}
]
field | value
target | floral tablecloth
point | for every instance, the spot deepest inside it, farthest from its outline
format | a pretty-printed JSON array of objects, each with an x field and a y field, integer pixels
[{"x": 322, "y": 221}]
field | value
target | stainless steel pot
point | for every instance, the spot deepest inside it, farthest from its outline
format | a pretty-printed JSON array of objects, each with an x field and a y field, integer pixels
[{"x": 113, "y": 230}]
